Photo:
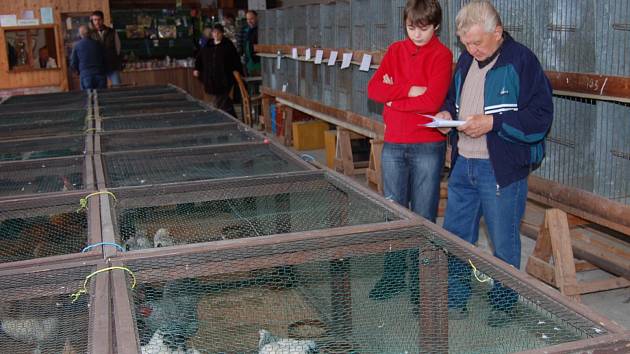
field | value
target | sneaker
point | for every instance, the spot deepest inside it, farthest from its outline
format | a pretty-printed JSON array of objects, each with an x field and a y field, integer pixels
[
  {"x": 387, "y": 289},
  {"x": 500, "y": 318},
  {"x": 457, "y": 313}
]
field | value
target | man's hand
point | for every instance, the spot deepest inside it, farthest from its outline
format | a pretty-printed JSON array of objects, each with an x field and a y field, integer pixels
[
  {"x": 416, "y": 91},
  {"x": 477, "y": 125},
  {"x": 388, "y": 80},
  {"x": 446, "y": 116},
  {"x": 195, "y": 73}
]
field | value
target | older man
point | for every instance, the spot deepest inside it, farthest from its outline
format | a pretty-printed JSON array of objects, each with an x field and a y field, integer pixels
[
  {"x": 87, "y": 60},
  {"x": 501, "y": 91}
]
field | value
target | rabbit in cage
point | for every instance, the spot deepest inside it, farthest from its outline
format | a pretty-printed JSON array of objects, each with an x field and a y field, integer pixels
[
  {"x": 34, "y": 322},
  {"x": 270, "y": 344}
]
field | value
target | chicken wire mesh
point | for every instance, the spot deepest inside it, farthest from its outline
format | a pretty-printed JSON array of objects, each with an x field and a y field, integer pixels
[
  {"x": 217, "y": 134},
  {"x": 22, "y": 178},
  {"x": 149, "y": 90},
  {"x": 313, "y": 295},
  {"x": 157, "y": 167},
  {"x": 130, "y": 99},
  {"x": 43, "y": 128},
  {"x": 47, "y": 97},
  {"x": 150, "y": 108},
  {"x": 242, "y": 209},
  {"x": 612, "y": 35},
  {"x": 198, "y": 116},
  {"x": 37, "y": 314},
  {"x": 18, "y": 119},
  {"x": 42, "y": 229},
  {"x": 42, "y": 148}
]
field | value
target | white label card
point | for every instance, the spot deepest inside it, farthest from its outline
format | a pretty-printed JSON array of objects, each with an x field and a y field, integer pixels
[
  {"x": 347, "y": 59},
  {"x": 278, "y": 60},
  {"x": 307, "y": 54},
  {"x": 294, "y": 53},
  {"x": 333, "y": 58},
  {"x": 366, "y": 62},
  {"x": 319, "y": 56}
]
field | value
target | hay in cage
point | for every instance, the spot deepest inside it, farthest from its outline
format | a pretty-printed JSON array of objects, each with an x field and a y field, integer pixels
[
  {"x": 164, "y": 166},
  {"x": 199, "y": 135},
  {"x": 149, "y": 108},
  {"x": 37, "y": 314},
  {"x": 43, "y": 228},
  {"x": 44, "y": 176},
  {"x": 158, "y": 120},
  {"x": 148, "y": 218},
  {"x": 313, "y": 295},
  {"x": 42, "y": 148}
]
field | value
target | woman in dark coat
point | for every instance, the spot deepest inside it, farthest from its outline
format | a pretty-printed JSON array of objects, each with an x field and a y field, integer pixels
[{"x": 215, "y": 65}]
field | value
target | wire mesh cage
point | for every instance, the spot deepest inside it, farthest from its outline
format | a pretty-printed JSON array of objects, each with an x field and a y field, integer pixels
[
  {"x": 299, "y": 22},
  {"x": 612, "y": 29},
  {"x": 42, "y": 148},
  {"x": 254, "y": 207},
  {"x": 314, "y": 27},
  {"x": 361, "y": 104},
  {"x": 17, "y": 119},
  {"x": 327, "y": 18},
  {"x": 176, "y": 97},
  {"x": 312, "y": 294},
  {"x": 191, "y": 164},
  {"x": 47, "y": 97},
  {"x": 26, "y": 125},
  {"x": 343, "y": 88},
  {"x": 200, "y": 116},
  {"x": 343, "y": 25},
  {"x": 21, "y": 178},
  {"x": 43, "y": 107},
  {"x": 52, "y": 229},
  {"x": 149, "y": 90},
  {"x": 38, "y": 315},
  {"x": 199, "y": 135}
]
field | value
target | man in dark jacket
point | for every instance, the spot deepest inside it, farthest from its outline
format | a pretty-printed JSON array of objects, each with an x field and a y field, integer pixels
[
  {"x": 501, "y": 91},
  {"x": 108, "y": 38},
  {"x": 87, "y": 60},
  {"x": 250, "y": 35},
  {"x": 215, "y": 65}
]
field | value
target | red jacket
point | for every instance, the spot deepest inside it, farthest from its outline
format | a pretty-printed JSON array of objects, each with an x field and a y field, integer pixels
[{"x": 409, "y": 65}]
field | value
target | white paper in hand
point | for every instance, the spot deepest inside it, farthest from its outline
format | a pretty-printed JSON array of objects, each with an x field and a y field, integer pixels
[
  {"x": 347, "y": 59},
  {"x": 441, "y": 123},
  {"x": 319, "y": 56},
  {"x": 307, "y": 54},
  {"x": 333, "y": 58}
]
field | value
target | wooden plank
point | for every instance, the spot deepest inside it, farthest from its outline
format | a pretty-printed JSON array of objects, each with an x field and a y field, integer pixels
[
  {"x": 433, "y": 301},
  {"x": 344, "y": 162},
  {"x": 603, "y": 285},
  {"x": 564, "y": 266}
]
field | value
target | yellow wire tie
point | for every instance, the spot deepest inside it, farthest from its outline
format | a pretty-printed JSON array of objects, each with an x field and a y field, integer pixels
[
  {"x": 83, "y": 202},
  {"x": 80, "y": 292},
  {"x": 484, "y": 278}
]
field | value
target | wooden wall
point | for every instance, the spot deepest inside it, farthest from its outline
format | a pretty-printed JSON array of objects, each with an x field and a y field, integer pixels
[{"x": 49, "y": 77}]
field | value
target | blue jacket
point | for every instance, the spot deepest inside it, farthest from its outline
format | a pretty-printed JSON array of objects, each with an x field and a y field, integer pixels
[
  {"x": 88, "y": 58},
  {"x": 519, "y": 96}
]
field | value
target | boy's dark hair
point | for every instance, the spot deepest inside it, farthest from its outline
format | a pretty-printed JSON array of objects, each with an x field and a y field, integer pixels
[
  {"x": 98, "y": 13},
  {"x": 422, "y": 13},
  {"x": 253, "y": 12},
  {"x": 218, "y": 27}
]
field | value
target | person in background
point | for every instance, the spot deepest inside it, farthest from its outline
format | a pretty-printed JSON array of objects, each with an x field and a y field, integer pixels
[
  {"x": 250, "y": 37},
  {"x": 206, "y": 37},
  {"x": 87, "y": 60},
  {"x": 501, "y": 92},
  {"x": 214, "y": 66},
  {"x": 12, "y": 55},
  {"x": 412, "y": 80},
  {"x": 108, "y": 38},
  {"x": 45, "y": 61},
  {"x": 229, "y": 23}
]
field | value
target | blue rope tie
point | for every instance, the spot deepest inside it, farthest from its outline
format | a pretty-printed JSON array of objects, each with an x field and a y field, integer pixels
[{"x": 89, "y": 247}]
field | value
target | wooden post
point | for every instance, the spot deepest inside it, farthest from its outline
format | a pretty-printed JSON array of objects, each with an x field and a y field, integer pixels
[
  {"x": 374, "y": 172},
  {"x": 433, "y": 301},
  {"x": 343, "y": 160},
  {"x": 288, "y": 125}
]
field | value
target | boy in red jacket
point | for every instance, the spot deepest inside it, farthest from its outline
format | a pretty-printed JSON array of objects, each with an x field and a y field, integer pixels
[{"x": 412, "y": 80}]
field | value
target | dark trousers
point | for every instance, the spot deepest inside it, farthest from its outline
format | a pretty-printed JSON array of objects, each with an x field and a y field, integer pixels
[
  {"x": 222, "y": 102},
  {"x": 90, "y": 82}
]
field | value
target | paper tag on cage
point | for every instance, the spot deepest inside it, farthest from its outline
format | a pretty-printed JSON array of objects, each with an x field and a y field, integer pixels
[
  {"x": 278, "y": 60},
  {"x": 366, "y": 62},
  {"x": 307, "y": 54},
  {"x": 284, "y": 88},
  {"x": 347, "y": 59},
  {"x": 319, "y": 56},
  {"x": 294, "y": 53},
  {"x": 333, "y": 58}
]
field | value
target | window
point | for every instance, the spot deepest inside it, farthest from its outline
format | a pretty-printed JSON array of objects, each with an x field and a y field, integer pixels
[{"x": 31, "y": 49}]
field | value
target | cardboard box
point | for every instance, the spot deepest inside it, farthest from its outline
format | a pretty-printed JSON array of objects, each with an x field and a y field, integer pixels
[{"x": 309, "y": 135}]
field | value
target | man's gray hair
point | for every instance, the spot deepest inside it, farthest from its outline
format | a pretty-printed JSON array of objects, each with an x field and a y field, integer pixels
[
  {"x": 477, "y": 12},
  {"x": 84, "y": 31}
]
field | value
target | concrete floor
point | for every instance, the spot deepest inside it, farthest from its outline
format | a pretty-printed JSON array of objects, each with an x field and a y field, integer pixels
[{"x": 613, "y": 304}]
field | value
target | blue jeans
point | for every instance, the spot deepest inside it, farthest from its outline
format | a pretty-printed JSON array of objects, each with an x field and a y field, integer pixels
[
  {"x": 411, "y": 178},
  {"x": 93, "y": 82},
  {"x": 114, "y": 77},
  {"x": 472, "y": 192}
]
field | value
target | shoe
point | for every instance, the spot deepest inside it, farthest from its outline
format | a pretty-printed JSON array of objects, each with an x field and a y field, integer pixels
[
  {"x": 457, "y": 313},
  {"x": 387, "y": 288},
  {"x": 500, "y": 318}
]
